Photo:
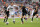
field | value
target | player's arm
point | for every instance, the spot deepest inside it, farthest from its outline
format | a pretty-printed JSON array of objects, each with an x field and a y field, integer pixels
[{"x": 8, "y": 8}]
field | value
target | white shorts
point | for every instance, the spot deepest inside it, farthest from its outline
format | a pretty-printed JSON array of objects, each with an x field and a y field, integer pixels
[
  {"x": 32, "y": 12},
  {"x": 12, "y": 13}
]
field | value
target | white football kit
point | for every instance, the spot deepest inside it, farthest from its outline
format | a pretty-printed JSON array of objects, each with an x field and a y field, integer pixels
[
  {"x": 11, "y": 9},
  {"x": 32, "y": 12}
]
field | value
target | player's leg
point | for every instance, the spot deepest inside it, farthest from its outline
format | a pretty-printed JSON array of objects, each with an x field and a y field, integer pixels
[
  {"x": 32, "y": 13},
  {"x": 7, "y": 14},
  {"x": 33, "y": 16},
  {"x": 13, "y": 19},
  {"x": 5, "y": 18},
  {"x": 28, "y": 15},
  {"x": 37, "y": 16},
  {"x": 25, "y": 17},
  {"x": 22, "y": 20}
]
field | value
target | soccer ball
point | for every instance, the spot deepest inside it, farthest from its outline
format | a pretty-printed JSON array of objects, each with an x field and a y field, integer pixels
[{"x": 7, "y": 23}]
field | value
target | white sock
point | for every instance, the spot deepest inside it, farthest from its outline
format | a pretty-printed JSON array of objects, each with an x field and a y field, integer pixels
[{"x": 13, "y": 19}]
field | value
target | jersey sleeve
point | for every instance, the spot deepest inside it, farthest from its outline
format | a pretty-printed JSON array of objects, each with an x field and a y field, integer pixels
[{"x": 8, "y": 7}]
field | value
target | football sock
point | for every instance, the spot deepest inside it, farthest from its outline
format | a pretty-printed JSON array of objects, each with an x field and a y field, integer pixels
[{"x": 32, "y": 18}]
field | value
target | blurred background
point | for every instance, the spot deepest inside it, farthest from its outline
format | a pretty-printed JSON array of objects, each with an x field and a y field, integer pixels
[{"x": 29, "y": 3}]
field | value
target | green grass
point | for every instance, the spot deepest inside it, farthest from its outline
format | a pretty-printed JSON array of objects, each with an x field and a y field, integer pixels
[{"x": 35, "y": 23}]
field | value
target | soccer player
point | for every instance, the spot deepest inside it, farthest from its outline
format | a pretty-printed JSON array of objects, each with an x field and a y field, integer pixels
[
  {"x": 12, "y": 10},
  {"x": 23, "y": 12},
  {"x": 35, "y": 12},
  {"x": 6, "y": 13},
  {"x": 26, "y": 13}
]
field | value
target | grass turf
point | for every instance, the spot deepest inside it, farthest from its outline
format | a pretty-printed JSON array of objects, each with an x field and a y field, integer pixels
[{"x": 35, "y": 23}]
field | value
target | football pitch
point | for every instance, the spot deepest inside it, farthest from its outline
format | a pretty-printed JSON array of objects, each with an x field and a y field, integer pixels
[{"x": 28, "y": 23}]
